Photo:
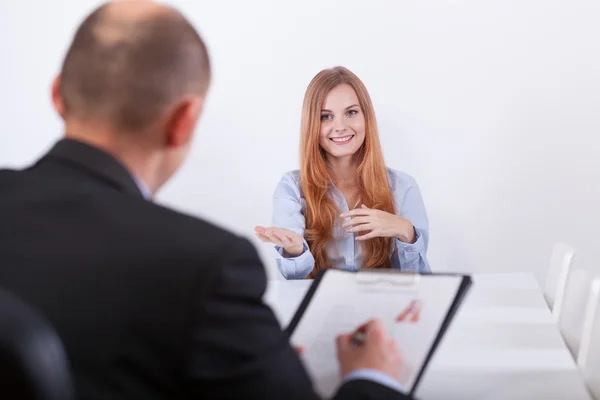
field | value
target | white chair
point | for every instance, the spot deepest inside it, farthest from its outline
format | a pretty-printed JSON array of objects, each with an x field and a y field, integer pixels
[
  {"x": 556, "y": 279},
  {"x": 588, "y": 358},
  {"x": 571, "y": 315}
]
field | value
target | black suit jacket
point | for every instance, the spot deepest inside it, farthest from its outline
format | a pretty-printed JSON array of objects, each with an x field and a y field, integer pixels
[{"x": 150, "y": 303}]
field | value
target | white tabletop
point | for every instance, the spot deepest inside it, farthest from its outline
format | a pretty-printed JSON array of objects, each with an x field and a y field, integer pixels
[{"x": 503, "y": 345}]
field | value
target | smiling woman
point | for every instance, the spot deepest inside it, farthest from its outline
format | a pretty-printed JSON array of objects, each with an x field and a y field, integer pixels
[{"x": 343, "y": 208}]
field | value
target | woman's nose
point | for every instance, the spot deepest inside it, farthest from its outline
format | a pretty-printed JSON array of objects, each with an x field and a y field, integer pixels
[{"x": 339, "y": 126}]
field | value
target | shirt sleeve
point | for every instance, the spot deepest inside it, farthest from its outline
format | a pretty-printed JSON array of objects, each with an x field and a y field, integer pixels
[
  {"x": 288, "y": 212},
  {"x": 412, "y": 256},
  {"x": 375, "y": 376}
]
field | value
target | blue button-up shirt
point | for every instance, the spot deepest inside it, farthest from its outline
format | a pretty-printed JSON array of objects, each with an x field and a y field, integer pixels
[{"x": 345, "y": 252}]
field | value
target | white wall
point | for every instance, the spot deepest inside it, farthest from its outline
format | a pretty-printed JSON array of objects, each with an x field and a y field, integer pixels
[{"x": 491, "y": 104}]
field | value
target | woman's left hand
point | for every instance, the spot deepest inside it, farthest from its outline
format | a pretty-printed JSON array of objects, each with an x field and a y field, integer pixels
[{"x": 378, "y": 224}]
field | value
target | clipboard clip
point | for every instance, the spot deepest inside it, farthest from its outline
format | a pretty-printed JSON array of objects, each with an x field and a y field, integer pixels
[{"x": 369, "y": 277}]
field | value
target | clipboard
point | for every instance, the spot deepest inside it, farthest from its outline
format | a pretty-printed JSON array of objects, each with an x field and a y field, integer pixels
[{"x": 402, "y": 281}]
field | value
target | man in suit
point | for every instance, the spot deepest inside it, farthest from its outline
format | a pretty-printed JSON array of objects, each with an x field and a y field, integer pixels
[{"x": 150, "y": 303}]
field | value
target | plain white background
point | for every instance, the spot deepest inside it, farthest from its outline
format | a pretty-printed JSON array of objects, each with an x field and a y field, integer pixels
[{"x": 492, "y": 105}]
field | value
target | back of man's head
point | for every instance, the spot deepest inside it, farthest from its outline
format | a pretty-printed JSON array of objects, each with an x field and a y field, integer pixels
[{"x": 130, "y": 61}]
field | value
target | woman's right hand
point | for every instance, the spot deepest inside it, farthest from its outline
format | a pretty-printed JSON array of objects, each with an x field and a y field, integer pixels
[{"x": 290, "y": 241}]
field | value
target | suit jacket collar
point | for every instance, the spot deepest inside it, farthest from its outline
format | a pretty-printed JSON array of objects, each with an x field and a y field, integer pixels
[{"x": 95, "y": 162}]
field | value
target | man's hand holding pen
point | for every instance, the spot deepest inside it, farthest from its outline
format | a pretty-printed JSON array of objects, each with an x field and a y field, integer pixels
[{"x": 369, "y": 347}]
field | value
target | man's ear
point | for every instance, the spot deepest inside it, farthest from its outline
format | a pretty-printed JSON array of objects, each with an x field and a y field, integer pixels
[
  {"x": 182, "y": 120},
  {"x": 57, "y": 100}
]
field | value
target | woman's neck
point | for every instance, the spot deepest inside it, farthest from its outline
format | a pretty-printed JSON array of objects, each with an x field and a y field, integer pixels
[{"x": 342, "y": 171}]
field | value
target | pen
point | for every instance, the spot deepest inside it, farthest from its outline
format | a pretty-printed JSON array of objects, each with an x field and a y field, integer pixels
[{"x": 358, "y": 338}]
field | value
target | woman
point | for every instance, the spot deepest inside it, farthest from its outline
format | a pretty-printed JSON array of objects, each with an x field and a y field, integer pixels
[{"x": 344, "y": 209}]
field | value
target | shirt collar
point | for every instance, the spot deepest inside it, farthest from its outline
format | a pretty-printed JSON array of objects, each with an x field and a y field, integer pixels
[{"x": 143, "y": 188}]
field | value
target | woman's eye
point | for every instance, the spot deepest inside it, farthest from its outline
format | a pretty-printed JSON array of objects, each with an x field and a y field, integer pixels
[
  {"x": 352, "y": 112},
  {"x": 325, "y": 116}
]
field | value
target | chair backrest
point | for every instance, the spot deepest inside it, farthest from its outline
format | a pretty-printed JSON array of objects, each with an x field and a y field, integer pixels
[
  {"x": 588, "y": 358},
  {"x": 33, "y": 362},
  {"x": 556, "y": 278},
  {"x": 571, "y": 315}
]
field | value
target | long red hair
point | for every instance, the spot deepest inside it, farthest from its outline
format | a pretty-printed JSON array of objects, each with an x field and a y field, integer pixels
[{"x": 372, "y": 177}]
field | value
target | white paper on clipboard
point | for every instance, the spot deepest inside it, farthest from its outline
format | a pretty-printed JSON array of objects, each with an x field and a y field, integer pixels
[{"x": 412, "y": 307}]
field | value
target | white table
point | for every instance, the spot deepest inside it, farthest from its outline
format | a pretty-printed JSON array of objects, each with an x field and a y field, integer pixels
[{"x": 503, "y": 345}]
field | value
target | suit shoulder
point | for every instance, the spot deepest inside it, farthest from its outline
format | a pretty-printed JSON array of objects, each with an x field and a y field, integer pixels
[
  {"x": 6, "y": 175},
  {"x": 195, "y": 223},
  {"x": 184, "y": 231},
  {"x": 234, "y": 256}
]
